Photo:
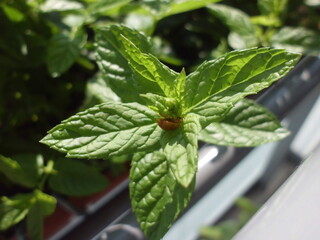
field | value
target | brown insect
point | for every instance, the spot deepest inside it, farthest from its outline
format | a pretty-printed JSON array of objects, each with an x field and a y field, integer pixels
[{"x": 169, "y": 124}]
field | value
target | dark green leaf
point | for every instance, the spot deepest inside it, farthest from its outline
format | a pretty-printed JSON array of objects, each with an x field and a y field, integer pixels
[
  {"x": 157, "y": 198},
  {"x": 14, "y": 171},
  {"x": 75, "y": 178},
  {"x": 106, "y": 130},
  {"x": 14, "y": 209},
  {"x": 246, "y": 125},
  {"x": 297, "y": 39},
  {"x": 63, "y": 50},
  {"x": 181, "y": 149},
  {"x": 216, "y": 85},
  {"x": 32, "y": 164}
]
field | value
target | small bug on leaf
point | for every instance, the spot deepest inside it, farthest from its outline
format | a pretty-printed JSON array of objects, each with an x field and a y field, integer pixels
[{"x": 169, "y": 124}]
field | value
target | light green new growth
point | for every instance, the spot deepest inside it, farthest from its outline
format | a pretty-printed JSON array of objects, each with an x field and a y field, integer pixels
[{"x": 204, "y": 104}]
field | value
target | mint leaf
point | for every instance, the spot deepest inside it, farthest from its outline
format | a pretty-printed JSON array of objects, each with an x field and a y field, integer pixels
[
  {"x": 46, "y": 203},
  {"x": 216, "y": 85},
  {"x": 246, "y": 125},
  {"x": 111, "y": 60},
  {"x": 15, "y": 172},
  {"x": 63, "y": 50},
  {"x": 157, "y": 198},
  {"x": 106, "y": 7},
  {"x": 74, "y": 178},
  {"x": 297, "y": 39},
  {"x": 32, "y": 164},
  {"x": 106, "y": 130},
  {"x": 147, "y": 67},
  {"x": 14, "y": 209},
  {"x": 181, "y": 149},
  {"x": 243, "y": 31}
]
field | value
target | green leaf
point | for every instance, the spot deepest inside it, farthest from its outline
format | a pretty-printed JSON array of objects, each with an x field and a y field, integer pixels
[
  {"x": 14, "y": 209},
  {"x": 167, "y": 107},
  {"x": 32, "y": 164},
  {"x": 61, "y": 6},
  {"x": 74, "y": 178},
  {"x": 35, "y": 223},
  {"x": 12, "y": 13},
  {"x": 297, "y": 39},
  {"x": 157, "y": 198},
  {"x": 272, "y": 7},
  {"x": 106, "y": 130},
  {"x": 44, "y": 205},
  {"x": 63, "y": 50},
  {"x": 243, "y": 31},
  {"x": 246, "y": 125},
  {"x": 181, "y": 149},
  {"x": 14, "y": 171},
  {"x": 218, "y": 84},
  {"x": 147, "y": 67},
  {"x": 111, "y": 60}
]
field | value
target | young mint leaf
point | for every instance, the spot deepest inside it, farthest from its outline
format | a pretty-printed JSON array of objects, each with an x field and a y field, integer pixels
[
  {"x": 14, "y": 209},
  {"x": 74, "y": 178},
  {"x": 32, "y": 164},
  {"x": 181, "y": 149},
  {"x": 47, "y": 203},
  {"x": 297, "y": 39},
  {"x": 148, "y": 68},
  {"x": 106, "y": 130},
  {"x": 167, "y": 107},
  {"x": 246, "y": 125},
  {"x": 272, "y": 7},
  {"x": 218, "y": 84},
  {"x": 63, "y": 50},
  {"x": 15, "y": 172},
  {"x": 157, "y": 198},
  {"x": 111, "y": 60},
  {"x": 243, "y": 31}
]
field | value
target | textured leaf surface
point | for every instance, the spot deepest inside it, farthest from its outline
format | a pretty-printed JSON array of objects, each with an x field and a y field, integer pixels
[
  {"x": 106, "y": 130},
  {"x": 181, "y": 150},
  {"x": 14, "y": 171},
  {"x": 216, "y": 85},
  {"x": 246, "y": 125},
  {"x": 297, "y": 39},
  {"x": 14, "y": 209},
  {"x": 111, "y": 60},
  {"x": 148, "y": 68},
  {"x": 75, "y": 178},
  {"x": 63, "y": 50},
  {"x": 157, "y": 198},
  {"x": 243, "y": 31}
]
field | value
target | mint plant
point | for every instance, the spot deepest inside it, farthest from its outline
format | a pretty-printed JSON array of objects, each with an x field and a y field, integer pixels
[
  {"x": 267, "y": 29},
  {"x": 162, "y": 114}
]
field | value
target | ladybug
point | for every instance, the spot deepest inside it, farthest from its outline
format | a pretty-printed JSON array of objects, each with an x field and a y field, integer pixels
[{"x": 169, "y": 124}]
